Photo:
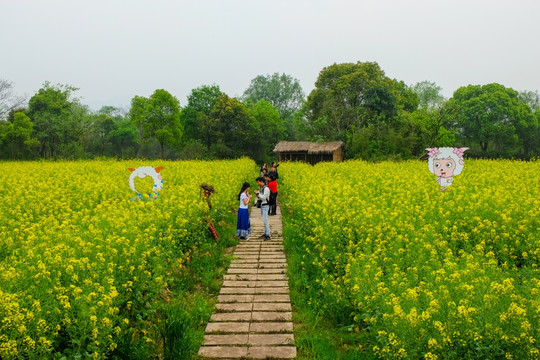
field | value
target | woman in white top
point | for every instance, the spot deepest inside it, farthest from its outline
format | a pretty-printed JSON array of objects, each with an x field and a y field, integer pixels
[{"x": 243, "y": 226}]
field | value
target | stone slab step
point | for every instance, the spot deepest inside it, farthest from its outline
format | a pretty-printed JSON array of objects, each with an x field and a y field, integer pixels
[
  {"x": 255, "y": 352},
  {"x": 240, "y": 271},
  {"x": 270, "y": 339},
  {"x": 227, "y": 327},
  {"x": 249, "y": 339},
  {"x": 272, "y": 307},
  {"x": 250, "y": 306},
  {"x": 271, "y": 327},
  {"x": 272, "y": 271},
  {"x": 236, "y": 316},
  {"x": 235, "y": 298},
  {"x": 251, "y": 290},
  {"x": 244, "y": 266},
  {"x": 255, "y": 284},
  {"x": 254, "y": 276},
  {"x": 271, "y": 298},
  {"x": 272, "y": 352},
  {"x": 271, "y": 316},
  {"x": 252, "y": 327},
  {"x": 235, "y": 307},
  {"x": 234, "y": 339},
  {"x": 272, "y": 266}
]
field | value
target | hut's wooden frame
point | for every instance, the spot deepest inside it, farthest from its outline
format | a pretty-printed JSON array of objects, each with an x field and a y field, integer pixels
[{"x": 310, "y": 152}]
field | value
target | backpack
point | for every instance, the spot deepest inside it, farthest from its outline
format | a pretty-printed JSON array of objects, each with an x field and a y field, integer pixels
[{"x": 272, "y": 200}]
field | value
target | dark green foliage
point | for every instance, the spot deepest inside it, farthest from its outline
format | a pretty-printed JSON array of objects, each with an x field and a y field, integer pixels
[
  {"x": 16, "y": 141},
  {"x": 358, "y": 104},
  {"x": 57, "y": 120},
  {"x": 270, "y": 126},
  {"x": 377, "y": 117},
  {"x": 158, "y": 117},
  {"x": 218, "y": 126},
  {"x": 194, "y": 116},
  {"x": 124, "y": 138},
  {"x": 283, "y": 92},
  {"x": 493, "y": 121},
  {"x": 232, "y": 126}
]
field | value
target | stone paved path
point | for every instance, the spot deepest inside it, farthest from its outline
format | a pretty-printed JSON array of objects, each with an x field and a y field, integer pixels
[{"x": 253, "y": 318}]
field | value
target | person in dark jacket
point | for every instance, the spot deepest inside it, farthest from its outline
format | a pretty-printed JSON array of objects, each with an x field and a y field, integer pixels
[
  {"x": 272, "y": 185},
  {"x": 273, "y": 171},
  {"x": 267, "y": 179}
]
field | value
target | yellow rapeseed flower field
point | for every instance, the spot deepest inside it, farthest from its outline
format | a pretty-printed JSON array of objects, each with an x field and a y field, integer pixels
[
  {"x": 81, "y": 263},
  {"x": 416, "y": 272}
]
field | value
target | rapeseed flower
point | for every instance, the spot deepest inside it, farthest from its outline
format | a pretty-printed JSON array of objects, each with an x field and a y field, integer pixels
[
  {"x": 439, "y": 270},
  {"x": 74, "y": 248}
]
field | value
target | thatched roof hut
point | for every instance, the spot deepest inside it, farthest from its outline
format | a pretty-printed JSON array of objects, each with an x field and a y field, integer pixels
[{"x": 311, "y": 152}]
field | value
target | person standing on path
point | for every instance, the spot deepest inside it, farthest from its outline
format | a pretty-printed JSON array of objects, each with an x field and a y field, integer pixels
[
  {"x": 273, "y": 171},
  {"x": 272, "y": 198},
  {"x": 243, "y": 226},
  {"x": 263, "y": 195},
  {"x": 272, "y": 185},
  {"x": 264, "y": 170}
]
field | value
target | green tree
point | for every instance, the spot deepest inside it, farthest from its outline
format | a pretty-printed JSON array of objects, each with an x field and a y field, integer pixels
[
  {"x": 535, "y": 136},
  {"x": 358, "y": 104},
  {"x": 57, "y": 119},
  {"x": 113, "y": 111},
  {"x": 98, "y": 135},
  {"x": 158, "y": 117},
  {"x": 356, "y": 94},
  {"x": 124, "y": 137},
  {"x": 268, "y": 121},
  {"x": 282, "y": 91},
  {"x": 111, "y": 133},
  {"x": 429, "y": 95},
  {"x": 433, "y": 127},
  {"x": 195, "y": 116},
  {"x": 531, "y": 98},
  {"x": 233, "y": 129},
  {"x": 16, "y": 139},
  {"x": 494, "y": 117}
]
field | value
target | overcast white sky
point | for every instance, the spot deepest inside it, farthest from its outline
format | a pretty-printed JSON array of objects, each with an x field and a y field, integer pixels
[{"x": 115, "y": 49}]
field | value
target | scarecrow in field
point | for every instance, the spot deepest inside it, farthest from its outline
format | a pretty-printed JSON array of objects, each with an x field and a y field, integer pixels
[{"x": 446, "y": 162}]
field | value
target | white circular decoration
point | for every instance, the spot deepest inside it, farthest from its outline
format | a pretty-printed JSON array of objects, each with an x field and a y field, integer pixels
[{"x": 143, "y": 172}]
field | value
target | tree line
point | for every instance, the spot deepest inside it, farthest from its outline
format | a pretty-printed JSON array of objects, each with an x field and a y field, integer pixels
[{"x": 375, "y": 116}]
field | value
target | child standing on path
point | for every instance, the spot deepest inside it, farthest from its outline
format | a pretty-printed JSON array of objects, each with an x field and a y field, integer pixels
[{"x": 243, "y": 226}]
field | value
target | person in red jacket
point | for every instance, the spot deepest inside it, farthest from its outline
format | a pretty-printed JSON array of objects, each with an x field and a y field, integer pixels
[{"x": 272, "y": 185}]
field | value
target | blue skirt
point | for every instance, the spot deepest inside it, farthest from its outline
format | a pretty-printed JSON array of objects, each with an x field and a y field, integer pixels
[{"x": 243, "y": 226}]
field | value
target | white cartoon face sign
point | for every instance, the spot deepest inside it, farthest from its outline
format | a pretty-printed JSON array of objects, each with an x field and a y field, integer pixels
[
  {"x": 143, "y": 172},
  {"x": 446, "y": 162}
]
